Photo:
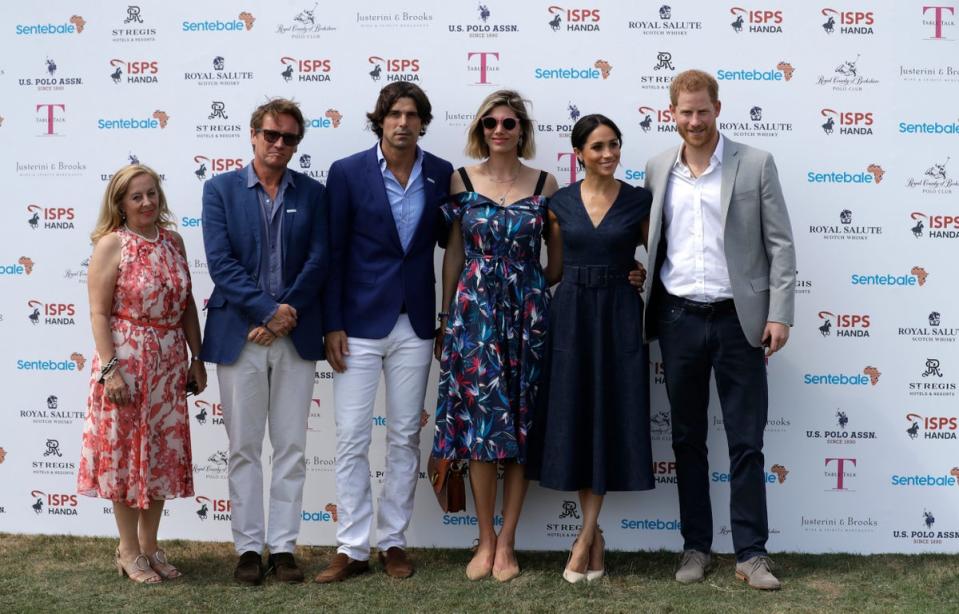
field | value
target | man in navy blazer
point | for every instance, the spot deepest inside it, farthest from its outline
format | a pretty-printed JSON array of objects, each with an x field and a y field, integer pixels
[
  {"x": 379, "y": 318},
  {"x": 264, "y": 230}
]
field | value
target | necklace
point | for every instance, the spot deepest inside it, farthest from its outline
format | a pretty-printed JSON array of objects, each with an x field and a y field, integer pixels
[
  {"x": 144, "y": 237},
  {"x": 502, "y": 199}
]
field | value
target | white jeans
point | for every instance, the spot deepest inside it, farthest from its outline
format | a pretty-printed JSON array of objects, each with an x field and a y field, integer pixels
[
  {"x": 266, "y": 384},
  {"x": 404, "y": 359}
]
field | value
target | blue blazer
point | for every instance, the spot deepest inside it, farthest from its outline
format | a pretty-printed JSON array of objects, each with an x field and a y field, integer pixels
[
  {"x": 371, "y": 277},
  {"x": 232, "y": 226}
]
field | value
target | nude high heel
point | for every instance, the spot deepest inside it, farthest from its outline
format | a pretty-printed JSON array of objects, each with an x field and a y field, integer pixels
[{"x": 139, "y": 570}]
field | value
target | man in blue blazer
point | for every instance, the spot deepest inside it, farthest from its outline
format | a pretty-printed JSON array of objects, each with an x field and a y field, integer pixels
[
  {"x": 264, "y": 229},
  {"x": 379, "y": 318}
]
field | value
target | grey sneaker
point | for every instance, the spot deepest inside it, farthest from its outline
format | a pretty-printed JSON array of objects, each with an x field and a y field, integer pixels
[
  {"x": 756, "y": 572},
  {"x": 692, "y": 567}
]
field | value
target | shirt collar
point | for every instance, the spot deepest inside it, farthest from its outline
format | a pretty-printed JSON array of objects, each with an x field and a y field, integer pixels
[
  {"x": 381, "y": 159},
  {"x": 252, "y": 180},
  {"x": 715, "y": 160}
]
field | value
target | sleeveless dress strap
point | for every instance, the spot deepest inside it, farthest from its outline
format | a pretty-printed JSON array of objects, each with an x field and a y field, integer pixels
[
  {"x": 540, "y": 183},
  {"x": 466, "y": 179}
]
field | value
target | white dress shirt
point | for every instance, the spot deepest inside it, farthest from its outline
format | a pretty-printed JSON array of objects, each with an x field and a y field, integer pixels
[{"x": 695, "y": 264}]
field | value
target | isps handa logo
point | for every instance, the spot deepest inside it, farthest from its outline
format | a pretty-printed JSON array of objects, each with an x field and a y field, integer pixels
[
  {"x": 53, "y": 504},
  {"x": 394, "y": 69},
  {"x": 931, "y": 427},
  {"x": 756, "y": 21},
  {"x": 868, "y": 377},
  {"x": 213, "y": 509},
  {"x": 838, "y": 325},
  {"x": 847, "y": 123},
  {"x": 50, "y": 218},
  {"x": 205, "y": 412},
  {"x": 573, "y": 20},
  {"x": 75, "y": 363},
  {"x": 309, "y": 70},
  {"x": 74, "y": 25},
  {"x": 207, "y": 166},
  {"x": 51, "y": 313},
  {"x": 242, "y": 23},
  {"x": 917, "y": 277},
  {"x": 926, "y": 532},
  {"x": 849, "y": 23},
  {"x": 934, "y": 226},
  {"x": 143, "y": 71}
]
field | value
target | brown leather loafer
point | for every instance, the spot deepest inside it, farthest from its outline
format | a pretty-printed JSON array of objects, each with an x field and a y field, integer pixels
[
  {"x": 341, "y": 568},
  {"x": 283, "y": 565},
  {"x": 249, "y": 569},
  {"x": 396, "y": 563}
]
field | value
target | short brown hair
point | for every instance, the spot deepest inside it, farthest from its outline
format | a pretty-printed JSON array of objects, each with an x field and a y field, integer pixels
[
  {"x": 476, "y": 146},
  {"x": 693, "y": 81},
  {"x": 274, "y": 108},
  {"x": 388, "y": 97}
]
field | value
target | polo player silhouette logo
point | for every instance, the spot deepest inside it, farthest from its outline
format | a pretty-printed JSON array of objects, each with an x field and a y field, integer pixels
[
  {"x": 932, "y": 368},
  {"x": 218, "y": 63},
  {"x": 375, "y": 73},
  {"x": 569, "y": 510},
  {"x": 756, "y": 114},
  {"x": 201, "y": 415},
  {"x": 934, "y": 318},
  {"x": 848, "y": 68},
  {"x": 738, "y": 24},
  {"x": 845, "y": 216},
  {"x": 202, "y": 511},
  {"x": 51, "y": 67},
  {"x": 219, "y": 458},
  {"x": 830, "y": 25},
  {"x": 827, "y": 325},
  {"x": 938, "y": 171},
  {"x": 306, "y": 161},
  {"x": 828, "y": 126},
  {"x": 573, "y": 111},
  {"x": 665, "y": 12},
  {"x": 201, "y": 172},
  {"x": 331, "y": 508},
  {"x": 53, "y": 448},
  {"x": 913, "y": 430},
  {"x": 780, "y": 472},
  {"x": 117, "y": 75},
  {"x": 842, "y": 419},
  {"x": 34, "y": 220},
  {"x": 305, "y": 16},
  {"x": 38, "y": 506},
  {"x": 132, "y": 157},
  {"x": 647, "y": 123},
  {"x": 555, "y": 22},
  {"x": 52, "y": 401},
  {"x": 288, "y": 73},
  {"x": 661, "y": 421},
  {"x": 35, "y": 316},
  {"x": 917, "y": 229},
  {"x": 483, "y": 15},
  {"x": 928, "y": 518}
]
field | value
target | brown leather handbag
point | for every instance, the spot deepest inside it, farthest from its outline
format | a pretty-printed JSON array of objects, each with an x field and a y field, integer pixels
[{"x": 446, "y": 476}]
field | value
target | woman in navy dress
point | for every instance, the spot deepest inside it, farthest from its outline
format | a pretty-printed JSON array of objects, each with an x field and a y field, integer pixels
[
  {"x": 496, "y": 296},
  {"x": 591, "y": 430}
]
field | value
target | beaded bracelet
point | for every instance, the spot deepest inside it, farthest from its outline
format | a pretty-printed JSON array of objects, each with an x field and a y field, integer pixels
[{"x": 108, "y": 368}]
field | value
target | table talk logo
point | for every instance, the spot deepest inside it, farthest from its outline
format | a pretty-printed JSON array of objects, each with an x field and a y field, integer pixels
[
  {"x": 52, "y": 413},
  {"x": 313, "y": 70},
  {"x": 940, "y": 20},
  {"x": 74, "y": 25},
  {"x": 243, "y": 22},
  {"x": 935, "y": 179},
  {"x": 660, "y": 120},
  {"x": 566, "y": 167},
  {"x": 305, "y": 24},
  {"x": 840, "y": 473},
  {"x": 932, "y": 381},
  {"x": 206, "y": 166},
  {"x": 133, "y": 28},
  {"x": 50, "y": 218},
  {"x": 564, "y": 128},
  {"x": 212, "y": 509},
  {"x": 486, "y": 24},
  {"x": 756, "y": 21},
  {"x": 847, "y": 76},
  {"x": 402, "y": 20},
  {"x": 839, "y": 433},
  {"x": 51, "y": 79},
  {"x": 935, "y": 332},
  {"x": 836, "y": 325},
  {"x": 484, "y": 64},
  {"x": 217, "y": 124},
  {"x": 51, "y": 460},
  {"x": 157, "y": 120},
  {"x": 783, "y": 71},
  {"x": 51, "y": 116},
  {"x": 50, "y": 313},
  {"x": 934, "y": 226},
  {"x": 850, "y": 123},
  {"x": 53, "y": 504},
  {"x": 927, "y": 534},
  {"x": 931, "y": 427},
  {"x": 851, "y": 23},
  {"x": 756, "y": 125},
  {"x": 327, "y": 514},
  {"x": 845, "y": 230},
  {"x": 665, "y": 25},
  {"x": 219, "y": 74},
  {"x": 394, "y": 69},
  {"x": 573, "y": 20},
  {"x": 139, "y": 72}
]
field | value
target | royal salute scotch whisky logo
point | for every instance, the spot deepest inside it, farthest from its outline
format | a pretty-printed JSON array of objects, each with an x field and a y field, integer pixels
[
  {"x": 935, "y": 332},
  {"x": 838, "y": 325},
  {"x": 667, "y": 24},
  {"x": 313, "y": 70},
  {"x": 489, "y": 21},
  {"x": 138, "y": 72},
  {"x": 134, "y": 27},
  {"x": 219, "y": 73},
  {"x": 756, "y": 126},
  {"x": 50, "y": 218},
  {"x": 848, "y": 22},
  {"x": 49, "y": 77},
  {"x": 306, "y": 166},
  {"x": 847, "y": 123},
  {"x": 848, "y": 229},
  {"x": 573, "y": 20},
  {"x": 306, "y": 24},
  {"x": 756, "y": 20},
  {"x": 52, "y": 413},
  {"x": 394, "y": 69}
]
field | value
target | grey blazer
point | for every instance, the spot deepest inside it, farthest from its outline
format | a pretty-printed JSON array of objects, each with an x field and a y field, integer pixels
[{"x": 756, "y": 232}]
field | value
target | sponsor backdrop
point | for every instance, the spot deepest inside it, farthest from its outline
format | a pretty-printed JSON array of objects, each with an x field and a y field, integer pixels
[{"x": 855, "y": 99}]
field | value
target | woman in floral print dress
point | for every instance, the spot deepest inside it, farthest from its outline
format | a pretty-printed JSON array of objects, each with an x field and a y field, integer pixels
[
  {"x": 136, "y": 438},
  {"x": 495, "y": 294}
]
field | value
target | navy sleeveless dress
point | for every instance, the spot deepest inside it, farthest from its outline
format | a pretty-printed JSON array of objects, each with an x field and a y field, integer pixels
[{"x": 591, "y": 428}]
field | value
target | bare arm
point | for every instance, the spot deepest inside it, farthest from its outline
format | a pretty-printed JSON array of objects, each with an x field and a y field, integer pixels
[
  {"x": 101, "y": 285},
  {"x": 554, "y": 249}
]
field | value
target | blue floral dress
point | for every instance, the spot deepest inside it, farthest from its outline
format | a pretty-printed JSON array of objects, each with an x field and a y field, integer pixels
[{"x": 495, "y": 335}]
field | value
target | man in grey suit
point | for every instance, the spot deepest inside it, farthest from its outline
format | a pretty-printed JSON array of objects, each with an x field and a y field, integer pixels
[{"x": 723, "y": 269}]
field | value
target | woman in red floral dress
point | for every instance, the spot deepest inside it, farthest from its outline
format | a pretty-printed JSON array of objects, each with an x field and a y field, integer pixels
[{"x": 136, "y": 438}]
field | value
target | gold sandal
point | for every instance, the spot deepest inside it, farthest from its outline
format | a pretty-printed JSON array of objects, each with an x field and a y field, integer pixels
[
  {"x": 158, "y": 562},
  {"x": 139, "y": 571}
]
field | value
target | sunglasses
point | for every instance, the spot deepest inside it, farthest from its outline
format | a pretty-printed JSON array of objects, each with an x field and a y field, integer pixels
[
  {"x": 271, "y": 136},
  {"x": 509, "y": 123}
]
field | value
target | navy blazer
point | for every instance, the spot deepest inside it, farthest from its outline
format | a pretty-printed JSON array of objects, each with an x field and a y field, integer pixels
[
  {"x": 371, "y": 277},
  {"x": 232, "y": 227}
]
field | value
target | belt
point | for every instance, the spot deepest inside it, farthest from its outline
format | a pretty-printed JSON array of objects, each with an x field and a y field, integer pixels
[
  {"x": 595, "y": 276},
  {"x": 147, "y": 323},
  {"x": 723, "y": 306}
]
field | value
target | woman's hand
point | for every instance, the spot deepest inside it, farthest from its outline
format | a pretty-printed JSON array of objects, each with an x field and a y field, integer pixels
[
  {"x": 115, "y": 388},
  {"x": 197, "y": 374},
  {"x": 438, "y": 341},
  {"x": 637, "y": 277}
]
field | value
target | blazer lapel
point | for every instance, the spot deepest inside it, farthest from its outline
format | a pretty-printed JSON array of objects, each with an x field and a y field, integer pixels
[
  {"x": 658, "y": 183},
  {"x": 730, "y": 167},
  {"x": 377, "y": 186},
  {"x": 290, "y": 211},
  {"x": 251, "y": 206},
  {"x": 430, "y": 199}
]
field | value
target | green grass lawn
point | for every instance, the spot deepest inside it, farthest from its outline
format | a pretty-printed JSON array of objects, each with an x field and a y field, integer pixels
[{"x": 76, "y": 574}]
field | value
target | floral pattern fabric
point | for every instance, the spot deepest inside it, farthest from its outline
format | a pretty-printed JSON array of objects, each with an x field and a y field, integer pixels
[
  {"x": 495, "y": 335},
  {"x": 140, "y": 452}
]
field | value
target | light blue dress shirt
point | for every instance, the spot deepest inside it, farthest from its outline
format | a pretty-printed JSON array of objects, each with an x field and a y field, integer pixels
[{"x": 407, "y": 203}]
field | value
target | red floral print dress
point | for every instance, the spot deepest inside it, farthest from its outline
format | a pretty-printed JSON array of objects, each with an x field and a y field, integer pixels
[{"x": 140, "y": 452}]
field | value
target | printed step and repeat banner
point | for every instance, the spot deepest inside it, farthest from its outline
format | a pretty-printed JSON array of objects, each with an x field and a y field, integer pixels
[{"x": 856, "y": 100}]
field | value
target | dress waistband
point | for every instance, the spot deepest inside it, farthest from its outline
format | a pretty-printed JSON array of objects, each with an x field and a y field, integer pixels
[
  {"x": 594, "y": 276},
  {"x": 146, "y": 323}
]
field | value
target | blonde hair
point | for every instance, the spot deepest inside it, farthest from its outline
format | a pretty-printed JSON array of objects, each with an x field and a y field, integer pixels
[
  {"x": 111, "y": 215},
  {"x": 693, "y": 81},
  {"x": 476, "y": 146}
]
